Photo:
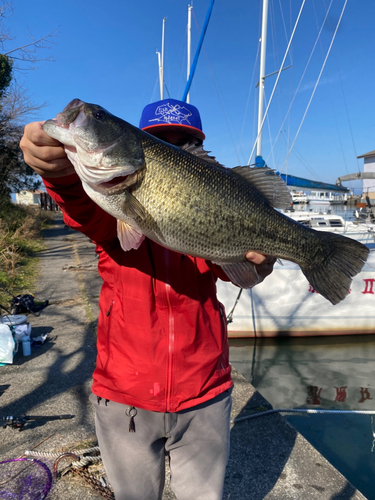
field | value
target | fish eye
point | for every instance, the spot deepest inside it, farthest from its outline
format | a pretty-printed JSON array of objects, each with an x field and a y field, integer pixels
[{"x": 100, "y": 115}]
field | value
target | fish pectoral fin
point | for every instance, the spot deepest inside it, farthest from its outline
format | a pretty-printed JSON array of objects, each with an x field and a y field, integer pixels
[
  {"x": 132, "y": 208},
  {"x": 129, "y": 236},
  {"x": 269, "y": 183},
  {"x": 242, "y": 274}
]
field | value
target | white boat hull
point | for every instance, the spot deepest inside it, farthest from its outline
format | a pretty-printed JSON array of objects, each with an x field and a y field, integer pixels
[
  {"x": 318, "y": 202},
  {"x": 286, "y": 305}
]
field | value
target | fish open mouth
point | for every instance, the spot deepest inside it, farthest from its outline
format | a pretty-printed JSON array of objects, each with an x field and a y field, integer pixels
[
  {"x": 70, "y": 113},
  {"x": 114, "y": 186}
]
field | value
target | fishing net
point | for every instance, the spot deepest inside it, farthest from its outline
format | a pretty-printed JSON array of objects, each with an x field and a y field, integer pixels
[{"x": 24, "y": 478}]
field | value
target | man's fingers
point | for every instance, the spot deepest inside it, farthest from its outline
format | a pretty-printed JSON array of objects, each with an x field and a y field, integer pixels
[
  {"x": 44, "y": 154},
  {"x": 255, "y": 258}
]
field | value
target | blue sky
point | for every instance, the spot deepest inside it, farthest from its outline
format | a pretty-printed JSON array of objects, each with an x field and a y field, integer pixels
[{"x": 105, "y": 53}]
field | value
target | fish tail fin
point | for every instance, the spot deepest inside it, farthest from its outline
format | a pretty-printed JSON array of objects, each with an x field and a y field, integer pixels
[{"x": 339, "y": 260}]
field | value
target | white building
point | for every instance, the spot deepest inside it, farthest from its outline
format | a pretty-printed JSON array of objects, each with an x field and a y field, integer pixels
[
  {"x": 369, "y": 166},
  {"x": 28, "y": 197}
]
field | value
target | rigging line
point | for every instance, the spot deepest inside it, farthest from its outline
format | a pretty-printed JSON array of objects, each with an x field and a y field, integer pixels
[
  {"x": 180, "y": 61},
  {"x": 284, "y": 26},
  {"x": 273, "y": 31},
  {"x": 291, "y": 62},
  {"x": 280, "y": 101},
  {"x": 256, "y": 64},
  {"x": 298, "y": 155},
  {"x": 347, "y": 114},
  {"x": 277, "y": 79},
  {"x": 153, "y": 92},
  {"x": 316, "y": 85},
  {"x": 332, "y": 103},
  {"x": 249, "y": 93},
  {"x": 223, "y": 110},
  {"x": 301, "y": 79},
  {"x": 218, "y": 95},
  {"x": 281, "y": 96},
  {"x": 269, "y": 130},
  {"x": 255, "y": 117},
  {"x": 166, "y": 88},
  {"x": 290, "y": 55}
]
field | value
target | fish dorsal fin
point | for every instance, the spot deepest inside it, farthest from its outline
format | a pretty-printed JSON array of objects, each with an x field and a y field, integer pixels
[
  {"x": 199, "y": 152},
  {"x": 129, "y": 236},
  {"x": 269, "y": 183}
]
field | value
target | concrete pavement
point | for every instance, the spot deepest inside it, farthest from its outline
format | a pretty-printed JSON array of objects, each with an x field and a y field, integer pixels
[{"x": 269, "y": 459}]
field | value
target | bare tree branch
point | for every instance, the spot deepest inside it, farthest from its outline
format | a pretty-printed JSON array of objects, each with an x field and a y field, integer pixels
[
  {"x": 16, "y": 105},
  {"x": 27, "y": 52},
  {"x": 6, "y": 11},
  {"x": 32, "y": 47}
]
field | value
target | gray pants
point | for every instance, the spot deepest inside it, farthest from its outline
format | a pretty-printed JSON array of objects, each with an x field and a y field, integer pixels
[{"x": 197, "y": 441}]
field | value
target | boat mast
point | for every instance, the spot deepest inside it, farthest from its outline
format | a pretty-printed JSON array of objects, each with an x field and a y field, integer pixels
[
  {"x": 262, "y": 72},
  {"x": 196, "y": 57},
  {"x": 188, "y": 47},
  {"x": 161, "y": 62}
]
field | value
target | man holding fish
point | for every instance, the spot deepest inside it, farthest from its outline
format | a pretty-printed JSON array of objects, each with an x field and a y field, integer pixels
[{"x": 162, "y": 382}]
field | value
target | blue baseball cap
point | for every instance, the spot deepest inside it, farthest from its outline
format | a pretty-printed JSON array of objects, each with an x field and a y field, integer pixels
[{"x": 171, "y": 114}]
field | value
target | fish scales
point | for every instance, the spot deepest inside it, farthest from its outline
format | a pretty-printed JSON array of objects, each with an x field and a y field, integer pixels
[
  {"x": 196, "y": 206},
  {"x": 186, "y": 198}
]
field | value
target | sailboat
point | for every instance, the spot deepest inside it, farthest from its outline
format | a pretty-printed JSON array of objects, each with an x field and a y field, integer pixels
[{"x": 285, "y": 304}]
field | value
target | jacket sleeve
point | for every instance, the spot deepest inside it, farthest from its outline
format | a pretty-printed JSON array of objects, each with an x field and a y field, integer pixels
[
  {"x": 80, "y": 212},
  {"x": 218, "y": 271}
]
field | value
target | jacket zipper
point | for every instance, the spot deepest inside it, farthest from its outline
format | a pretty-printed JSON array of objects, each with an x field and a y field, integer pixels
[
  {"x": 170, "y": 332},
  {"x": 110, "y": 308},
  {"x": 224, "y": 330}
]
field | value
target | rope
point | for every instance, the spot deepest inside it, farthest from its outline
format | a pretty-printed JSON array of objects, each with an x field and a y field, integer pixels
[
  {"x": 303, "y": 410},
  {"x": 230, "y": 315},
  {"x": 86, "y": 461},
  {"x": 79, "y": 466},
  {"x": 57, "y": 455}
]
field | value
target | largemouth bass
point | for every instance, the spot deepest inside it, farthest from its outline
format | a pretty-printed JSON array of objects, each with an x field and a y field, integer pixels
[{"x": 189, "y": 203}]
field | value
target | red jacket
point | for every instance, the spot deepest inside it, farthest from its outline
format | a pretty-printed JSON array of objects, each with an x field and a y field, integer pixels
[{"x": 162, "y": 340}]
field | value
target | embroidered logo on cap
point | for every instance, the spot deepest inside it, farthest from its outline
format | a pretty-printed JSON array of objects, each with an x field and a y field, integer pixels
[{"x": 168, "y": 113}]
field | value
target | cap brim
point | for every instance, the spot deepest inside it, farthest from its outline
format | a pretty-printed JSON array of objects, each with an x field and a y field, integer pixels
[{"x": 195, "y": 132}]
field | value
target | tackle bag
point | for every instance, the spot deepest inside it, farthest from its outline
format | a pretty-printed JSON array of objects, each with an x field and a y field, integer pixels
[{"x": 25, "y": 303}]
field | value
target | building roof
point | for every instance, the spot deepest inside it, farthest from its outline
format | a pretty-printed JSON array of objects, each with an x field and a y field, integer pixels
[
  {"x": 367, "y": 155},
  {"x": 37, "y": 191},
  {"x": 299, "y": 182}
]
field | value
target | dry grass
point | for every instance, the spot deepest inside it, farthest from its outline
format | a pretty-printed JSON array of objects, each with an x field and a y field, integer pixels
[{"x": 20, "y": 240}]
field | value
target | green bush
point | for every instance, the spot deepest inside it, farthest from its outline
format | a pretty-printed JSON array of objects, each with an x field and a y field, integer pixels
[{"x": 20, "y": 241}]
